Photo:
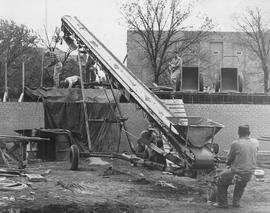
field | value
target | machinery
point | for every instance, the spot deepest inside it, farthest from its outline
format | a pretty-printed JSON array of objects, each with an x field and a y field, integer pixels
[{"x": 191, "y": 137}]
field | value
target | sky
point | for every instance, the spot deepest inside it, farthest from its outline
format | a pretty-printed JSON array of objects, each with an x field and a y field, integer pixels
[{"x": 103, "y": 18}]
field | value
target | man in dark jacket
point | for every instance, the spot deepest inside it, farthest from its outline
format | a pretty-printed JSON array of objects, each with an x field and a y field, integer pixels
[
  {"x": 90, "y": 70},
  {"x": 152, "y": 135},
  {"x": 242, "y": 162}
]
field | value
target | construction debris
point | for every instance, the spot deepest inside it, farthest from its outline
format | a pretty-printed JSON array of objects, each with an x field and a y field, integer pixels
[
  {"x": 35, "y": 178},
  {"x": 6, "y": 172},
  {"x": 16, "y": 172},
  {"x": 12, "y": 186},
  {"x": 70, "y": 186},
  {"x": 12, "y": 210},
  {"x": 48, "y": 171},
  {"x": 165, "y": 184},
  {"x": 97, "y": 161},
  {"x": 3, "y": 179}
]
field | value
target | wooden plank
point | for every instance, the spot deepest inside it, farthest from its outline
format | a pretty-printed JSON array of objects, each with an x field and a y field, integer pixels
[
  {"x": 172, "y": 100},
  {"x": 173, "y": 104},
  {"x": 176, "y": 106},
  {"x": 35, "y": 177},
  {"x": 23, "y": 138},
  {"x": 181, "y": 112}
]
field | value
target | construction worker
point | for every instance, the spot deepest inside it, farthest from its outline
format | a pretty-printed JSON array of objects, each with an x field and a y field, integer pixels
[
  {"x": 57, "y": 69},
  {"x": 154, "y": 156},
  {"x": 90, "y": 70},
  {"x": 241, "y": 161},
  {"x": 72, "y": 80},
  {"x": 148, "y": 135},
  {"x": 100, "y": 74},
  {"x": 152, "y": 135},
  {"x": 175, "y": 67},
  {"x": 57, "y": 65}
]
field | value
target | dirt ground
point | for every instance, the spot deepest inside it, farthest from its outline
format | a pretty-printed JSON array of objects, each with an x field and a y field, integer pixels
[{"x": 119, "y": 187}]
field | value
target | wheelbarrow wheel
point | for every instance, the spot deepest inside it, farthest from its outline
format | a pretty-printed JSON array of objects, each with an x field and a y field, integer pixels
[{"x": 74, "y": 157}]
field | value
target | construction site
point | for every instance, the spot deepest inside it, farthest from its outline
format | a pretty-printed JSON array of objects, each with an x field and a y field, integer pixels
[{"x": 109, "y": 141}]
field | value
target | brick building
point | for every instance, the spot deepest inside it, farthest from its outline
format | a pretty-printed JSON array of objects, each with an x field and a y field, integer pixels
[{"x": 222, "y": 49}]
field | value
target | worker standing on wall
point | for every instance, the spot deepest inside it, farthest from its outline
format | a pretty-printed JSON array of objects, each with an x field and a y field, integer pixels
[
  {"x": 100, "y": 74},
  {"x": 57, "y": 69},
  {"x": 90, "y": 70},
  {"x": 175, "y": 68},
  {"x": 242, "y": 162}
]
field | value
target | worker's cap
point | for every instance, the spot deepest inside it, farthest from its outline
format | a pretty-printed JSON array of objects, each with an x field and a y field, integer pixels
[{"x": 243, "y": 130}]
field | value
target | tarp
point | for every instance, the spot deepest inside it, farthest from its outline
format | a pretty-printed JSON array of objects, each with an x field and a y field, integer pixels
[
  {"x": 70, "y": 116},
  {"x": 63, "y": 109},
  {"x": 98, "y": 95}
]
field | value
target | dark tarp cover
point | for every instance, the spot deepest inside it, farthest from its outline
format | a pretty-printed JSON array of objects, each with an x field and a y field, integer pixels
[
  {"x": 63, "y": 109},
  {"x": 98, "y": 95},
  {"x": 104, "y": 136}
]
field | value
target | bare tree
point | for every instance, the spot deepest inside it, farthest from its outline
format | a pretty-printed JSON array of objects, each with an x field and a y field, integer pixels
[
  {"x": 160, "y": 27},
  {"x": 53, "y": 60},
  {"x": 256, "y": 37},
  {"x": 50, "y": 43}
]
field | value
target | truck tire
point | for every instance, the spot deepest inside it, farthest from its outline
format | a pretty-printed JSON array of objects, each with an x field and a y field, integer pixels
[{"x": 74, "y": 156}]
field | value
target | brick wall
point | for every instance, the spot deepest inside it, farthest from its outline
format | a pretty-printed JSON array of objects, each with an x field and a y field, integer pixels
[
  {"x": 30, "y": 115},
  {"x": 20, "y": 116}
]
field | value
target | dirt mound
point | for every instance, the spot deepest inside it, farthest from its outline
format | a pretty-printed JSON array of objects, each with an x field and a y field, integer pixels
[{"x": 75, "y": 208}]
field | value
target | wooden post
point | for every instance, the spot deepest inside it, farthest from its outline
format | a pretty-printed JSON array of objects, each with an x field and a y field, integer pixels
[
  {"x": 6, "y": 88},
  {"x": 22, "y": 94},
  {"x": 23, "y": 76},
  {"x": 84, "y": 104},
  {"x": 5, "y": 98},
  {"x": 119, "y": 141},
  {"x": 42, "y": 71}
]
